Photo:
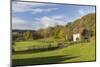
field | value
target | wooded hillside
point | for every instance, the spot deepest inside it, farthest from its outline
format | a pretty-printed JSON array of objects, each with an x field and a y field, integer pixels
[{"x": 87, "y": 22}]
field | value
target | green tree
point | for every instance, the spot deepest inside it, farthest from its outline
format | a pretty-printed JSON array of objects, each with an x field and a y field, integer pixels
[
  {"x": 14, "y": 36},
  {"x": 26, "y": 35}
]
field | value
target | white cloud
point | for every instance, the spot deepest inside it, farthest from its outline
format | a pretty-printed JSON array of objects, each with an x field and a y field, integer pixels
[
  {"x": 58, "y": 16},
  {"x": 42, "y": 22},
  {"x": 45, "y": 22},
  {"x": 83, "y": 12},
  {"x": 39, "y": 10},
  {"x": 17, "y": 21},
  {"x": 31, "y": 7}
]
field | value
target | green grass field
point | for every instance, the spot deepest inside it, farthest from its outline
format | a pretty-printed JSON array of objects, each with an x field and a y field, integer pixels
[{"x": 82, "y": 51}]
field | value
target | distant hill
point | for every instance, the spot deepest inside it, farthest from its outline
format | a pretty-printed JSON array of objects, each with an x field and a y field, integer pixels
[{"x": 17, "y": 30}]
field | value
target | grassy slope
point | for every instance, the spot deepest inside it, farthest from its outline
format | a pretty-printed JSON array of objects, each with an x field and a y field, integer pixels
[{"x": 76, "y": 52}]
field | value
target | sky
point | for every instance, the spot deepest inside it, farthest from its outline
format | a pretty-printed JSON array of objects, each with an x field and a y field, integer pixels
[{"x": 34, "y": 16}]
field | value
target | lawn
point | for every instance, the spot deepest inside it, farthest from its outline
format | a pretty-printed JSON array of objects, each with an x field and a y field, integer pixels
[
  {"x": 82, "y": 51},
  {"x": 24, "y": 45}
]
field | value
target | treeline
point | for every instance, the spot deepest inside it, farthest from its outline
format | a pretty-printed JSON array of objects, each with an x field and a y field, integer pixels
[{"x": 84, "y": 25}]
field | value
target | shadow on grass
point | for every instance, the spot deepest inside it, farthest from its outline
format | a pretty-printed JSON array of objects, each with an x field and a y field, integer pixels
[
  {"x": 42, "y": 60},
  {"x": 35, "y": 50}
]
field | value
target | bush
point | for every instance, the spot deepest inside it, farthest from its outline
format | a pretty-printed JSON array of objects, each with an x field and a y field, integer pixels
[{"x": 60, "y": 45}]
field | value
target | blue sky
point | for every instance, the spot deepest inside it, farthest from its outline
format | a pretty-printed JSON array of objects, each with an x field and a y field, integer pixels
[{"x": 29, "y": 15}]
